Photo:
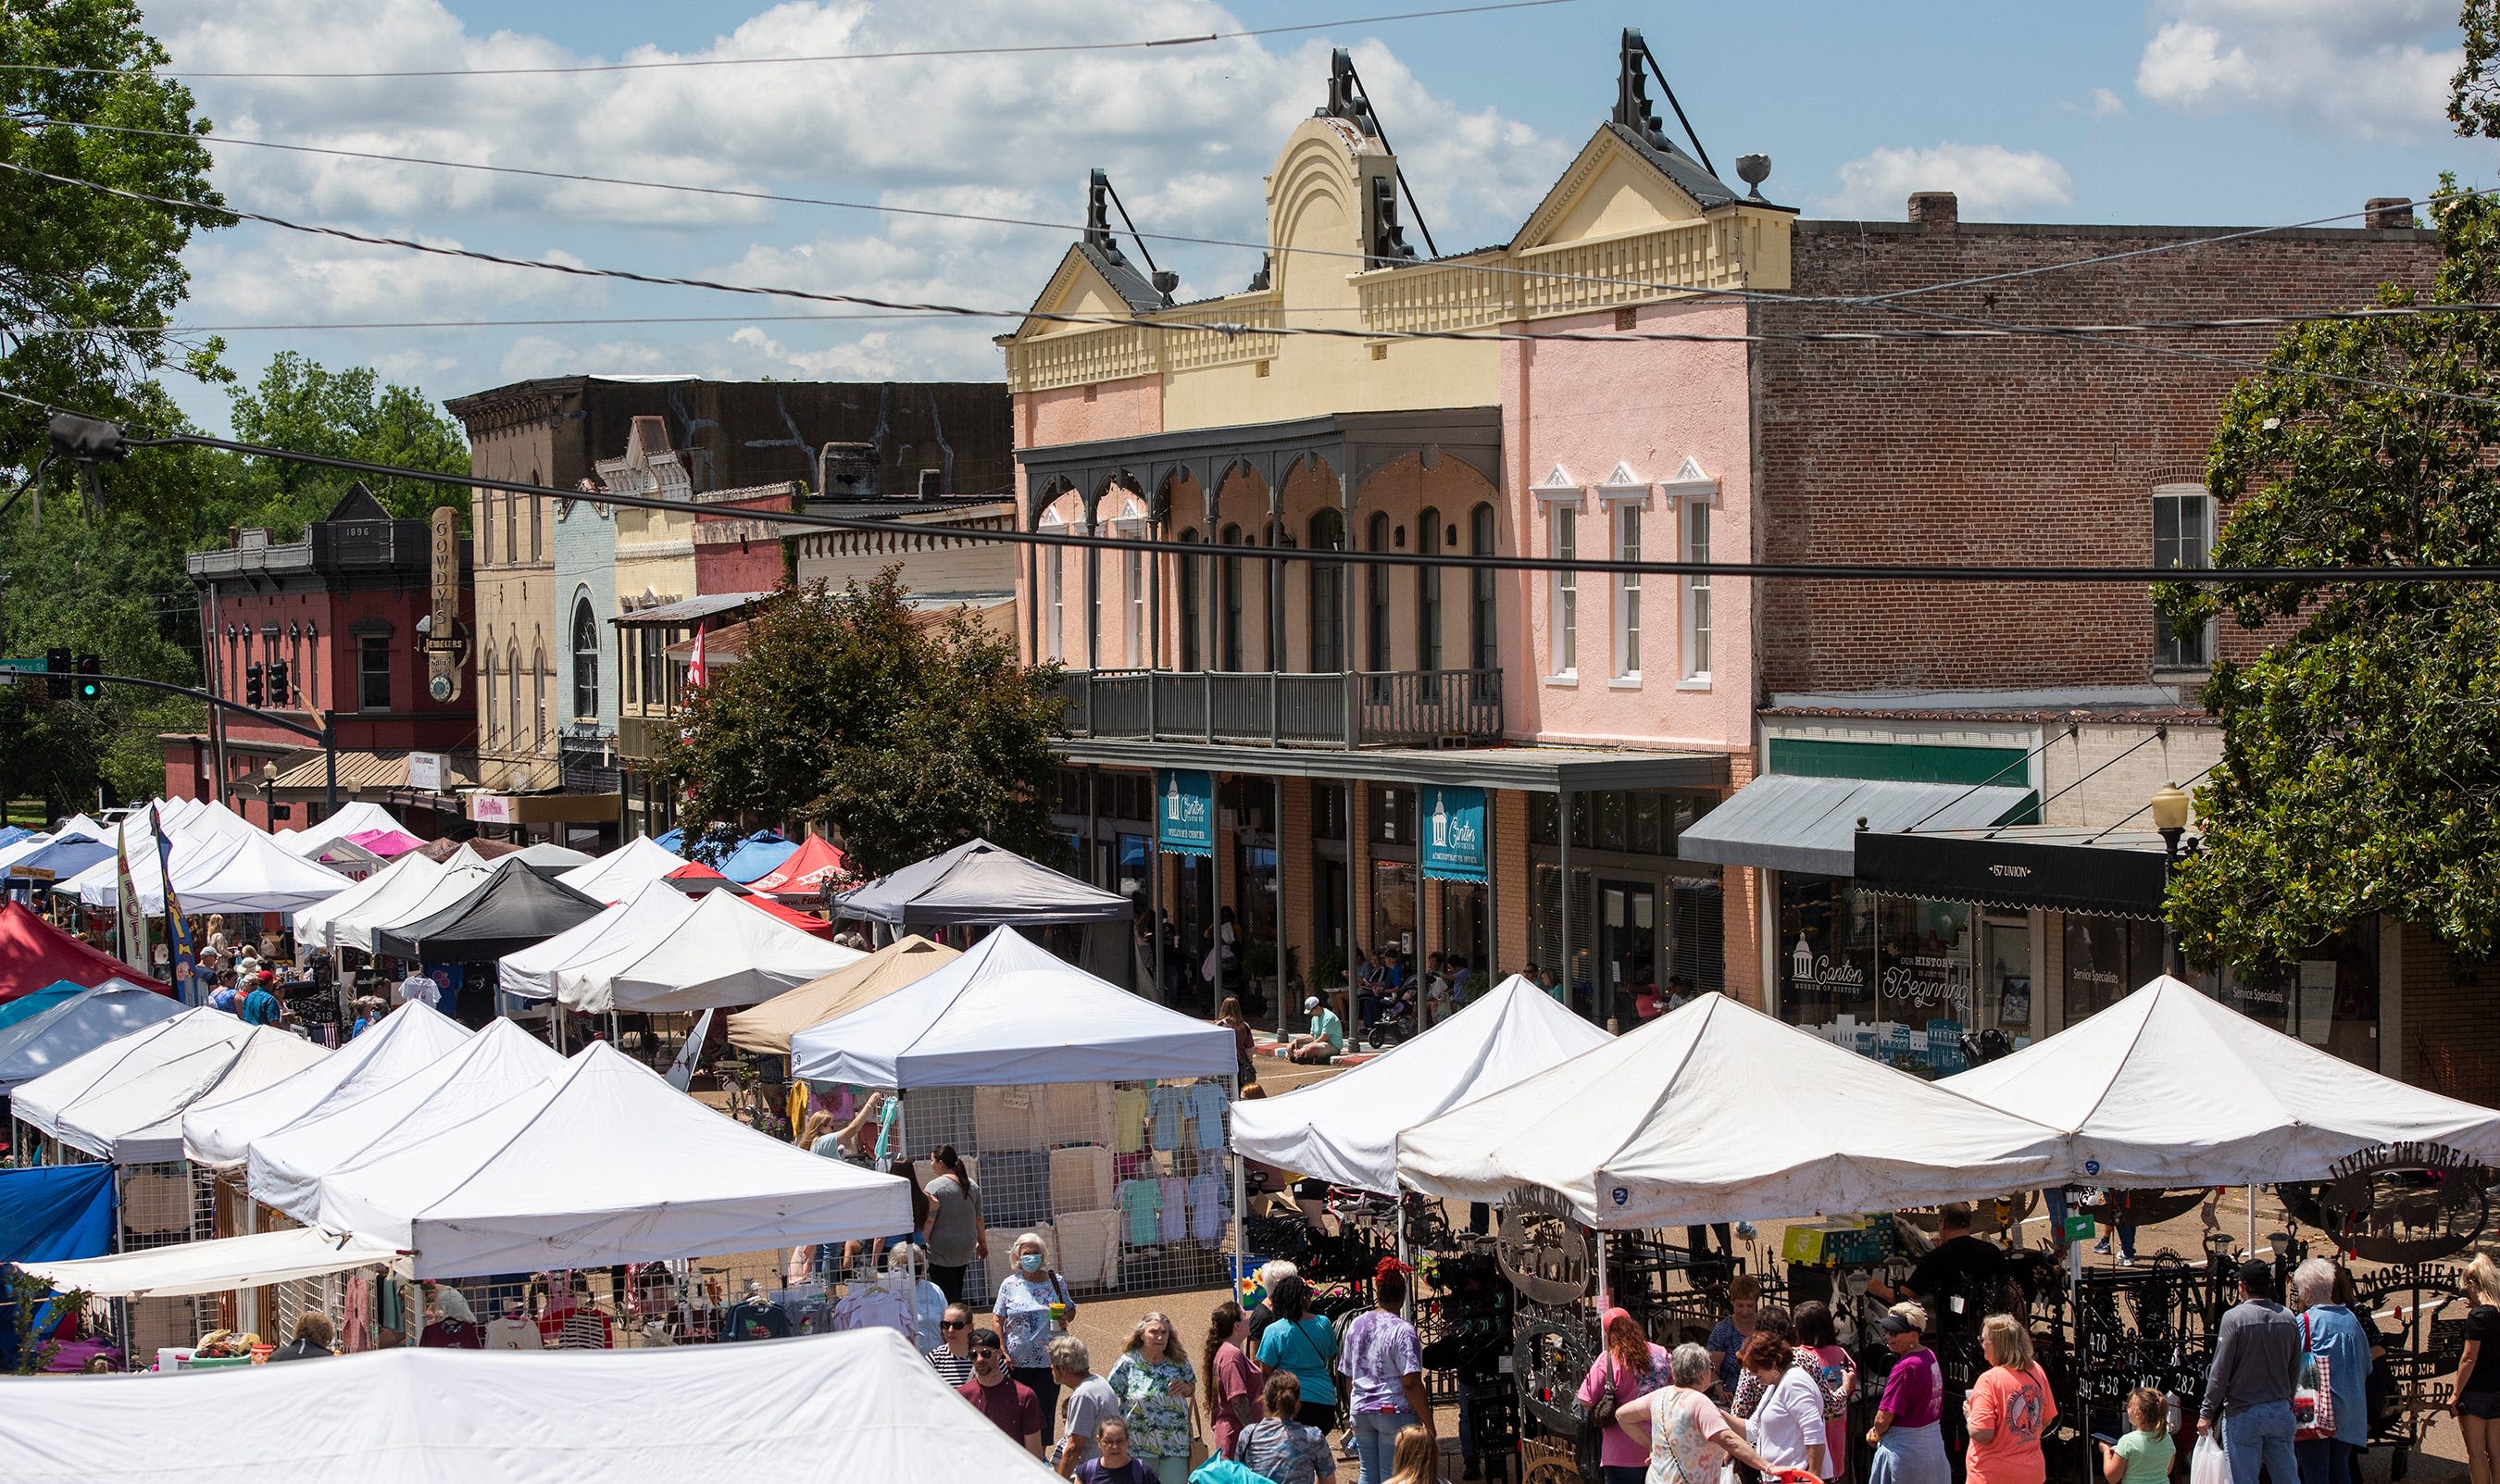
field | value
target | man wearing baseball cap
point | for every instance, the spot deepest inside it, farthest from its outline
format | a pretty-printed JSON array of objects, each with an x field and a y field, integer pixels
[
  {"x": 260, "y": 1007},
  {"x": 2257, "y": 1365},
  {"x": 1326, "y": 1037}
]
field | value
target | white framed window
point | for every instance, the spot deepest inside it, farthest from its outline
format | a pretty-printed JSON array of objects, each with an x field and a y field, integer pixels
[
  {"x": 1565, "y": 539},
  {"x": 2182, "y": 536},
  {"x": 1132, "y": 525},
  {"x": 1697, "y": 595},
  {"x": 1054, "y": 590},
  {"x": 1628, "y": 592}
]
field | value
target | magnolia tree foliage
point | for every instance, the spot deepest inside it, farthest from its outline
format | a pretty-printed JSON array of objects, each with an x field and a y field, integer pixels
[
  {"x": 905, "y": 733},
  {"x": 2360, "y": 770}
]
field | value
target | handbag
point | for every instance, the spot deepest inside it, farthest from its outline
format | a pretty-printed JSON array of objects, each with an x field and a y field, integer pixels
[
  {"x": 1588, "y": 1449},
  {"x": 2312, "y": 1399}
]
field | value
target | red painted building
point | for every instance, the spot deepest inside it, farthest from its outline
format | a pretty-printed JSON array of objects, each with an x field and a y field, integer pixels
[{"x": 340, "y": 610}]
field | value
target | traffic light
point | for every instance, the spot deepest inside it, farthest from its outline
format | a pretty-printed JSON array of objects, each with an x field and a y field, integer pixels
[
  {"x": 252, "y": 684},
  {"x": 57, "y": 674},
  {"x": 278, "y": 692},
  {"x": 90, "y": 687}
]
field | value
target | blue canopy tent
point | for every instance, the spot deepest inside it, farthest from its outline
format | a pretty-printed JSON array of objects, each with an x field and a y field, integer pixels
[
  {"x": 758, "y": 855},
  {"x": 60, "y": 860},
  {"x": 50, "y": 1215},
  {"x": 41, "y": 999},
  {"x": 11, "y": 835},
  {"x": 675, "y": 841}
]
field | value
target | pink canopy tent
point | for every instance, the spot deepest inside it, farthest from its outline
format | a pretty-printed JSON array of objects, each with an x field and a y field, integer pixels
[{"x": 386, "y": 843}]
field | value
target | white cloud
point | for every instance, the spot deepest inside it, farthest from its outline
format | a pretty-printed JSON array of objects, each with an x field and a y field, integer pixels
[
  {"x": 2376, "y": 69},
  {"x": 1186, "y": 133},
  {"x": 1993, "y": 182},
  {"x": 2106, "y": 105}
]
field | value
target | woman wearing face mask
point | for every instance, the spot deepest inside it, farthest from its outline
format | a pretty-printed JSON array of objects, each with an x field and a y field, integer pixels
[{"x": 1033, "y": 1307}]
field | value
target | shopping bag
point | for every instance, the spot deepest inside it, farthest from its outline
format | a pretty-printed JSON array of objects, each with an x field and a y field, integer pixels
[
  {"x": 2312, "y": 1399},
  {"x": 2208, "y": 1465}
]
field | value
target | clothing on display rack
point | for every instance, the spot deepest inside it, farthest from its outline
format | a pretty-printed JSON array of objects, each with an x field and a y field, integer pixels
[
  {"x": 356, "y": 1312},
  {"x": 1206, "y": 1113},
  {"x": 1081, "y": 1179},
  {"x": 1071, "y": 1110},
  {"x": 1129, "y": 1112},
  {"x": 1142, "y": 1206},
  {"x": 512, "y": 1331},
  {"x": 874, "y": 1304},
  {"x": 755, "y": 1318},
  {"x": 1171, "y": 1105},
  {"x": 1005, "y": 1118},
  {"x": 1175, "y": 1192},
  {"x": 449, "y": 1333},
  {"x": 1089, "y": 1247},
  {"x": 1210, "y": 1212}
]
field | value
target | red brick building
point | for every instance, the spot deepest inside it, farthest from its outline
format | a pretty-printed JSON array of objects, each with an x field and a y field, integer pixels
[{"x": 340, "y": 609}]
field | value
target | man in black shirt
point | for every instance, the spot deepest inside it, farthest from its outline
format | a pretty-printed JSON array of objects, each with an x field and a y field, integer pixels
[{"x": 1960, "y": 1280}]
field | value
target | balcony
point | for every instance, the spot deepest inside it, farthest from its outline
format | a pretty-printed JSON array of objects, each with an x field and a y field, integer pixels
[{"x": 1342, "y": 711}]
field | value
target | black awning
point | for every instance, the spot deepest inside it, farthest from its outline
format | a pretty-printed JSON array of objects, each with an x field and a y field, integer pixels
[{"x": 2068, "y": 871}]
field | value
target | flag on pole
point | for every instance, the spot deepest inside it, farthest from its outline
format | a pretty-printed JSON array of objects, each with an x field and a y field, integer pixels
[
  {"x": 178, "y": 932},
  {"x": 695, "y": 675},
  {"x": 126, "y": 914}
]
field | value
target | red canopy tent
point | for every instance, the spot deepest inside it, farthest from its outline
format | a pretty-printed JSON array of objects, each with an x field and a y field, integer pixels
[
  {"x": 804, "y": 873},
  {"x": 695, "y": 877},
  {"x": 35, "y": 954}
]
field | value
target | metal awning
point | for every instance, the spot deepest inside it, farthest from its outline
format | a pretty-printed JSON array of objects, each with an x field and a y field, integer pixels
[
  {"x": 687, "y": 609},
  {"x": 2061, "y": 868},
  {"x": 1534, "y": 770},
  {"x": 1792, "y": 821}
]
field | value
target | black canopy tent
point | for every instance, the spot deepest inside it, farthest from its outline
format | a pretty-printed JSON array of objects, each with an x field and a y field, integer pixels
[{"x": 515, "y": 907}]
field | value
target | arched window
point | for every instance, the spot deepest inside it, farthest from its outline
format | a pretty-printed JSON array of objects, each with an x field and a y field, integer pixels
[
  {"x": 1427, "y": 591},
  {"x": 1484, "y": 636},
  {"x": 1186, "y": 569},
  {"x": 512, "y": 695},
  {"x": 1328, "y": 594},
  {"x": 1227, "y": 579},
  {"x": 1375, "y": 580},
  {"x": 585, "y": 658},
  {"x": 486, "y": 714},
  {"x": 1132, "y": 581},
  {"x": 1054, "y": 597}
]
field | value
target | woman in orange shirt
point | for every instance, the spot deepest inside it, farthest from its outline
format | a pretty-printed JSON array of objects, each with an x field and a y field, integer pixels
[{"x": 2009, "y": 1408}]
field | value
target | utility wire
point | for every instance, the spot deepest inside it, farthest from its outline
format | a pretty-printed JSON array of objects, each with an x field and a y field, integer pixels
[
  {"x": 1772, "y": 571},
  {"x": 1038, "y": 49},
  {"x": 1979, "y": 328}
]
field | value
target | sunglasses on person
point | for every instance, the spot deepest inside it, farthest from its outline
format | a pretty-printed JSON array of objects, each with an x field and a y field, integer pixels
[{"x": 954, "y": 1324}]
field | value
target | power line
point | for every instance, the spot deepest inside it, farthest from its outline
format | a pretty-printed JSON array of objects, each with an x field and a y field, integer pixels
[
  {"x": 1031, "y": 49},
  {"x": 1975, "y": 328},
  {"x": 1769, "y": 571}
]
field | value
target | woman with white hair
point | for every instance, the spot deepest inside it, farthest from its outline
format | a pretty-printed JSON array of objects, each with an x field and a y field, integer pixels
[
  {"x": 2329, "y": 1332},
  {"x": 1033, "y": 1307},
  {"x": 1688, "y": 1437}
]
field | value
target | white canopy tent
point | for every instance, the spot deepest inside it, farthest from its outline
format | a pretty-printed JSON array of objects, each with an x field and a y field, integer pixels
[
  {"x": 725, "y": 952},
  {"x": 623, "y": 933},
  {"x": 624, "y": 871},
  {"x": 347, "y": 919},
  {"x": 1008, "y": 1012},
  {"x": 353, "y": 818},
  {"x": 2169, "y": 1088},
  {"x": 453, "y": 881},
  {"x": 608, "y": 1165},
  {"x": 81, "y": 824},
  {"x": 59, "y": 1036},
  {"x": 546, "y": 855},
  {"x": 47, "y": 1102},
  {"x": 501, "y": 1063},
  {"x": 856, "y": 1406},
  {"x": 139, "y": 1121},
  {"x": 219, "y": 1132},
  {"x": 1719, "y": 1112},
  {"x": 232, "y": 874},
  {"x": 216, "y": 1265},
  {"x": 1345, "y": 1129}
]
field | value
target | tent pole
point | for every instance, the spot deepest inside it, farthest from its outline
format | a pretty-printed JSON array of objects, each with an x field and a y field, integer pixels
[
  {"x": 2252, "y": 1220},
  {"x": 1238, "y": 1255},
  {"x": 1605, "y": 1292}
]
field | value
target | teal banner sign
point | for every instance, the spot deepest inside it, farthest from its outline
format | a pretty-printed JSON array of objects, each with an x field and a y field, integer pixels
[
  {"x": 1454, "y": 834},
  {"x": 1184, "y": 812}
]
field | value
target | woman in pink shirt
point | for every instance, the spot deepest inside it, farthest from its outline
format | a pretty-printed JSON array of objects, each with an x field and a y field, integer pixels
[
  {"x": 1231, "y": 1378},
  {"x": 1630, "y": 1366}
]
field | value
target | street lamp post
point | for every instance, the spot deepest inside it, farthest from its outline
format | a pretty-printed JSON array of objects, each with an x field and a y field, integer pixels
[
  {"x": 269, "y": 795},
  {"x": 2170, "y": 809}
]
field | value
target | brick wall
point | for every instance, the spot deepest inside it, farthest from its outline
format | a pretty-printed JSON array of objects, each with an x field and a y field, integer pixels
[
  {"x": 2451, "y": 1032},
  {"x": 2014, "y": 451}
]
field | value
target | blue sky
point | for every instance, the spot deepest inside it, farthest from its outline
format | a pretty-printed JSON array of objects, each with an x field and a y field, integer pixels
[{"x": 2224, "y": 112}]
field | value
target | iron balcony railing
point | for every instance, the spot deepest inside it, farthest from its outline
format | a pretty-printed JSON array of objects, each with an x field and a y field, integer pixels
[{"x": 1269, "y": 709}]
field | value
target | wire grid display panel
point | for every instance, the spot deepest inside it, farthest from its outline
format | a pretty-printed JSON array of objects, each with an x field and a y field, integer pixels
[
  {"x": 1129, "y": 1184},
  {"x": 635, "y": 1305}
]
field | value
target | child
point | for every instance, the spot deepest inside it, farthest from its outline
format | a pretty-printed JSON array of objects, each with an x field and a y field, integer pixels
[{"x": 2142, "y": 1456}]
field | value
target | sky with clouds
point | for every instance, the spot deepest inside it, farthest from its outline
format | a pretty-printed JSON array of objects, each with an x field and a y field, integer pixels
[{"x": 2221, "y": 112}]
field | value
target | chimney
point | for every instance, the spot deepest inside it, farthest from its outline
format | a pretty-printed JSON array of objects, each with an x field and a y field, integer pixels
[
  {"x": 1934, "y": 211},
  {"x": 2388, "y": 212},
  {"x": 846, "y": 472},
  {"x": 931, "y": 483}
]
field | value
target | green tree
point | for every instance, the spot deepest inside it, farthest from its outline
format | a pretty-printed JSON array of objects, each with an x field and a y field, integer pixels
[
  {"x": 2360, "y": 770},
  {"x": 301, "y": 405},
  {"x": 2474, "y": 93},
  {"x": 849, "y": 708}
]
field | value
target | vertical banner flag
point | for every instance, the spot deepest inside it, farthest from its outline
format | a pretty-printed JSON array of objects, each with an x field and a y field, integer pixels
[
  {"x": 1185, "y": 813},
  {"x": 178, "y": 932},
  {"x": 695, "y": 675},
  {"x": 127, "y": 916},
  {"x": 1454, "y": 833}
]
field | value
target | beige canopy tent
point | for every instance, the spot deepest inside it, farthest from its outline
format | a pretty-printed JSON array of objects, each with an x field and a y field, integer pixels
[{"x": 767, "y": 1028}]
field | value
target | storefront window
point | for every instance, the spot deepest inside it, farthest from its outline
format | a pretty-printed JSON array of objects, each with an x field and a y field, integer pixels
[
  {"x": 2107, "y": 959},
  {"x": 1393, "y": 815},
  {"x": 1891, "y": 977},
  {"x": 2006, "y": 972},
  {"x": 1393, "y": 907}
]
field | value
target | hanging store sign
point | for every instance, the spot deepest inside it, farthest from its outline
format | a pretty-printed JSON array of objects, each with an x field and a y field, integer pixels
[
  {"x": 491, "y": 809},
  {"x": 1541, "y": 1248},
  {"x": 2406, "y": 1202},
  {"x": 1454, "y": 833},
  {"x": 1185, "y": 811}
]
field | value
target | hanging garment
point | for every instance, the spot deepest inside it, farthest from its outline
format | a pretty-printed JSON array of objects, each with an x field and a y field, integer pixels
[
  {"x": 1141, "y": 1205},
  {"x": 1208, "y": 1212},
  {"x": 1005, "y": 1118},
  {"x": 1081, "y": 1179},
  {"x": 513, "y": 1333},
  {"x": 1175, "y": 1207},
  {"x": 1171, "y": 1105},
  {"x": 869, "y": 1307},
  {"x": 1129, "y": 1112},
  {"x": 1075, "y": 1113},
  {"x": 1206, "y": 1113},
  {"x": 1089, "y": 1247},
  {"x": 356, "y": 1313}
]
